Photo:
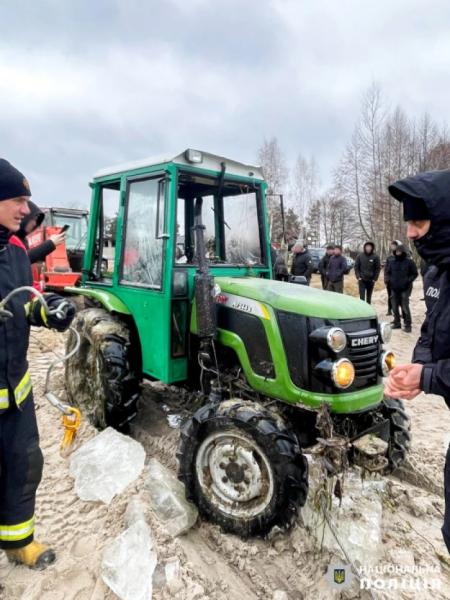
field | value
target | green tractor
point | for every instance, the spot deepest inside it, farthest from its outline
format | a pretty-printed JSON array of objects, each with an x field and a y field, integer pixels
[{"x": 189, "y": 300}]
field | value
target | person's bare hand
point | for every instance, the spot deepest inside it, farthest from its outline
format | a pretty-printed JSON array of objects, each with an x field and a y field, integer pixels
[
  {"x": 404, "y": 382},
  {"x": 58, "y": 238}
]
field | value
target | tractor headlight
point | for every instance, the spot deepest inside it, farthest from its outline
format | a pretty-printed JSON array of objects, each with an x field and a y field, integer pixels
[
  {"x": 343, "y": 373},
  {"x": 387, "y": 362},
  {"x": 385, "y": 332},
  {"x": 336, "y": 339}
]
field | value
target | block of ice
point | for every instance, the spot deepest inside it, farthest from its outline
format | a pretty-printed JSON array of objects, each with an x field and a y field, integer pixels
[
  {"x": 168, "y": 500},
  {"x": 105, "y": 465},
  {"x": 129, "y": 561}
]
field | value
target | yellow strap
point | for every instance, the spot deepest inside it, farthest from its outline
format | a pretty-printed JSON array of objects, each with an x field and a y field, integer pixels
[
  {"x": 12, "y": 533},
  {"x": 23, "y": 389}
]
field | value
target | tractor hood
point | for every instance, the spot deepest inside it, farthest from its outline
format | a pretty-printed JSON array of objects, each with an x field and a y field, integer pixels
[{"x": 294, "y": 298}]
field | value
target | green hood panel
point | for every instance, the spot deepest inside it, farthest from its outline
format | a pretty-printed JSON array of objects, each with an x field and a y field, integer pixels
[{"x": 295, "y": 298}]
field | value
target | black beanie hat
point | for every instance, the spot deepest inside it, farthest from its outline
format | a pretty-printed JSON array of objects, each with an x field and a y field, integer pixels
[
  {"x": 415, "y": 209},
  {"x": 12, "y": 182}
]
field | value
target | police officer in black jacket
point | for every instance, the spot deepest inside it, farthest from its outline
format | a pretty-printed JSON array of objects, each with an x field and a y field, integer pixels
[
  {"x": 426, "y": 207},
  {"x": 20, "y": 456},
  {"x": 302, "y": 263},
  {"x": 367, "y": 271}
]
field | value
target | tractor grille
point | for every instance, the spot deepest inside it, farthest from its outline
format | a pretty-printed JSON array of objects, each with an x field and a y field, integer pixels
[
  {"x": 302, "y": 356},
  {"x": 365, "y": 360},
  {"x": 364, "y": 351}
]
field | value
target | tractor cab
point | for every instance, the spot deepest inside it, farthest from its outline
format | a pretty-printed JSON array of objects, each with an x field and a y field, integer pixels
[{"x": 145, "y": 213}]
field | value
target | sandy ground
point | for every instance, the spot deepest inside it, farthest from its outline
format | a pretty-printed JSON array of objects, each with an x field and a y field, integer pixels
[{"x": 216, "y": 565}]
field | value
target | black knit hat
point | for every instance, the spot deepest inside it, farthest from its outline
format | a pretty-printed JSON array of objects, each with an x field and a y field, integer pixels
[
  {"x": 12, "y": 182},
  {"x": 415, "y": 209}
]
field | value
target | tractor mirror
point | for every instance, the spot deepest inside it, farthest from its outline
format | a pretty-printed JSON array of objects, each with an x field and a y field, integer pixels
[{"x": 161, "y": 211}]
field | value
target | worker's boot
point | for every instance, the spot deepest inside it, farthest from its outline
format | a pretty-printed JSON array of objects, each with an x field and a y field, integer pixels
[{"x": 34, "y": 555}]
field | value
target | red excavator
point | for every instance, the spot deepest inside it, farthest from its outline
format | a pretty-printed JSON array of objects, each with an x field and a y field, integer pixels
[{"x": 63, "y": 266}]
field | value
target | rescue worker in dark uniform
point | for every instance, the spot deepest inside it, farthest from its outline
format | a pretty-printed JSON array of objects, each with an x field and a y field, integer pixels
[
  {"x": 302, "y": 264},
  {"x": 426, "y": 208},
  {"x": 20, "y": 456},
  {"x": 29, "y": 224}
]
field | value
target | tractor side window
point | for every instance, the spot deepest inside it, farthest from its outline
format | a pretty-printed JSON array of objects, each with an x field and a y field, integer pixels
[
  {"x": 242, "y": 235},
  {"x": 185, "y": 243},
  {"x": 142, "y": 258},
  {"x": 106, "y": 231}
]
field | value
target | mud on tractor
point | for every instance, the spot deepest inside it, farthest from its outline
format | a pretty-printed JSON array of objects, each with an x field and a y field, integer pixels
[{"x": 190, "y": 301}]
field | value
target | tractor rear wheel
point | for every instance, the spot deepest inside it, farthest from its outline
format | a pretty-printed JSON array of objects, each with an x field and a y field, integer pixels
[
  {"x": 242, "y": 467},
  {"x": 400, "y": 432},
  {"x": 99, "y": 378}
]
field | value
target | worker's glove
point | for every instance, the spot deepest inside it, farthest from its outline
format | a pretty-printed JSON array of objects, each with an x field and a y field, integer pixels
[
  {"x": 61, "y": 310},
  {"x": 59, "y": 316}
]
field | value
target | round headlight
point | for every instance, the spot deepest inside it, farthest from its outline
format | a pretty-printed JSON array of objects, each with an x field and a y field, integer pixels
[
  {"x": 387, "y": 361},
  {"x": 343, "y": 373},
  {"x": 385, "y": 332},
  {"x": 336, "y": 339}
]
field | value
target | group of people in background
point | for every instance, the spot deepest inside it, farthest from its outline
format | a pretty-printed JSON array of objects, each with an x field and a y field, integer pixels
[
  {"x": 332, "y": 267},
  {"x": 399, "y": 273}
]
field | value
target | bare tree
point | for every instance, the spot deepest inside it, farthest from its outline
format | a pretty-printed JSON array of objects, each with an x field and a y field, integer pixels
[
  {"x": 271, "y": 159},
  {"x": 305, "y": 185}
]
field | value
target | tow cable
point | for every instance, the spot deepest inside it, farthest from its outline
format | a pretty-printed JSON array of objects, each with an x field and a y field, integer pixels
[{"x": 71, "y": 416}]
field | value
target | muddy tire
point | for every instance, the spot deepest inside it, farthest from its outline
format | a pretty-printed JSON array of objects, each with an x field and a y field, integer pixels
[
  {"x": 400, "y": 433},
  {"x": 242, "y": 467},
  {"x": 99, "y": 379}
]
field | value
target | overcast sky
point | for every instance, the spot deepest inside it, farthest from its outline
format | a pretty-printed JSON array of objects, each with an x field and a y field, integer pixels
[{"x": 89, "y": 83}]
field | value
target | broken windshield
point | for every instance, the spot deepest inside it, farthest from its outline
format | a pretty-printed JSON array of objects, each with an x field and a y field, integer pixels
[{"x": 232, "y": 229}]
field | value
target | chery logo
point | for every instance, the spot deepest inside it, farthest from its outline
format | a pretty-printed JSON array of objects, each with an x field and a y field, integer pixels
[{"x": 365, "y": 341}]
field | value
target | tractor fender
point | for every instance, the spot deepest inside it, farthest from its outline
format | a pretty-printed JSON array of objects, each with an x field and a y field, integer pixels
[{"x": 108, "y": 300}]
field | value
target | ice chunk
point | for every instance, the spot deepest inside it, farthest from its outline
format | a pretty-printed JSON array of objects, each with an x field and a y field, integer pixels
[
  {"x": 167, "y": 499},
  {"x": 105, "y": 465},
  {"x": 357, "y": 522},
  {"x": 135, "y": 510},
  {"x": 173, "y": 575},
  {"x": 129, "y": 561}
]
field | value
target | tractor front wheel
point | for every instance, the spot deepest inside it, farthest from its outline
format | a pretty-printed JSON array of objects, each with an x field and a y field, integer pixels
[
  {"x": 99, "y": 378},
  {"x": 242, "y": 467},
  {"x": 400, "y": 432}
]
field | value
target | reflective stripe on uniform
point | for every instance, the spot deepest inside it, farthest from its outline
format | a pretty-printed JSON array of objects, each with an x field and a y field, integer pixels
[
  {"x": 44, "y": 316},
  {"x": 23, "y": 389},
  {"x": 4, "y": 398},
  {"x": 12, "y": 533}
]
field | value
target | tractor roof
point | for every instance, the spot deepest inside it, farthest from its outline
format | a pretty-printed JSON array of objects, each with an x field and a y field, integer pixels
[{"x": 208, "y": 161}]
